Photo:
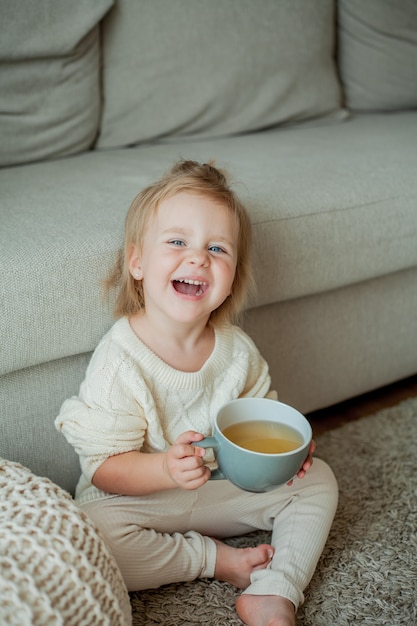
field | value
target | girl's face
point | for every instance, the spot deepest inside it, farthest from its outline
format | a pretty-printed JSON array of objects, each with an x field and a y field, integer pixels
[{"x": 188, "y": 259}]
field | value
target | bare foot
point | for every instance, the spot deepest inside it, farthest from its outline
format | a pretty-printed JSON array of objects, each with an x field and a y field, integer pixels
[
  {"x": 265, "y": 610},
  {"x": 235, "y": 565}
]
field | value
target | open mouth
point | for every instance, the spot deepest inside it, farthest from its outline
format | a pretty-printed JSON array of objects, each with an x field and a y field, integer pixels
[{"x": 189, "y": 287}]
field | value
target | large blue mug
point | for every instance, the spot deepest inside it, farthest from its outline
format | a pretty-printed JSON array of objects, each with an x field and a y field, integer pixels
[{"x": 249, "y": 469}]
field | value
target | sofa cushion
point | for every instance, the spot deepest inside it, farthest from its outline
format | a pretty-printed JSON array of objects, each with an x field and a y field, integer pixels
[
  {"x": 215, "y": 68},
  {"x": 331, "y": 206},
  {"x": 378, "y": 54},
  {"x": 54, "y": 566},
  {"x": 49, "y": 79}
]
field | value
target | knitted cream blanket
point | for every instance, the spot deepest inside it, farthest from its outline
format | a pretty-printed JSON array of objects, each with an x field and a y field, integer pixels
[{"x": 54, "y": 567}]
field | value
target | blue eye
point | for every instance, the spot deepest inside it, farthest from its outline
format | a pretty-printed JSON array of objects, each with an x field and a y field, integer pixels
[
  {"x": 216, "y": 249},
  {"x": 177, "y": 242}
]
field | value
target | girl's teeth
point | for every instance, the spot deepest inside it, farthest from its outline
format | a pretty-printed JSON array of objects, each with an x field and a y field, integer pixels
[{"x": 190, "y": 282}]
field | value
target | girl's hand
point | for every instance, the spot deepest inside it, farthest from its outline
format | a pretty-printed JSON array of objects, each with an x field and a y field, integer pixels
[
  {"x": 184, "y": 463},
  {"x": 307, "y": 463}
]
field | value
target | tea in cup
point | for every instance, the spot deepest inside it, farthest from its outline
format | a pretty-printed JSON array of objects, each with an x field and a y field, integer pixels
[{"x": 259, "y": 443}]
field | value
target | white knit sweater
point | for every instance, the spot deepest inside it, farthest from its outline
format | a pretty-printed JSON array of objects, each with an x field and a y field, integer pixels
[{"x": 132, "y": 400}]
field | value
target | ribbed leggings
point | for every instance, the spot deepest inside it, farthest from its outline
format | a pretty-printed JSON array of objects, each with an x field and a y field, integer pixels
[{"x": 165, "y": 537}]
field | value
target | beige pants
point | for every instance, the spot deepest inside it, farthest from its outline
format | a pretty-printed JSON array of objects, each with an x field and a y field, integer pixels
[{"x": 165, "y": 537}]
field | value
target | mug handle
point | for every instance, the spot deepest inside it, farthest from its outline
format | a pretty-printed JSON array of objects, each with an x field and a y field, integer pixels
[{"x": 210, "y": 442}]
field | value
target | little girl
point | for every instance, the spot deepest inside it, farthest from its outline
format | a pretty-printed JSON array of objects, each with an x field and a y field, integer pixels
[{"x": 153, "y": 388}]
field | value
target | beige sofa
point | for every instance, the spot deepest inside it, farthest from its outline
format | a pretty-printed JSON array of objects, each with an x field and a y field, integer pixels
[{"x": 312, "y": 108}]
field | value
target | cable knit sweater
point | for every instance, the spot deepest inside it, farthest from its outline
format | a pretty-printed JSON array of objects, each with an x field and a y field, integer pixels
[{"x": 132, "y": 400}]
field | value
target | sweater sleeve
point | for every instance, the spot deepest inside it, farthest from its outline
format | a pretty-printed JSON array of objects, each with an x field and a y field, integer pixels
[
  {"x": 258, "y": 379},
  {"x": 105, "y": 419}
]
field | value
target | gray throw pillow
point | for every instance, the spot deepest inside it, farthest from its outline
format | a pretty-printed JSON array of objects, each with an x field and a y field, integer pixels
[
  {"x": 49, "y": 78},
  {"x": 378, "y": 54},
  {"x": 205, "y": 69}
]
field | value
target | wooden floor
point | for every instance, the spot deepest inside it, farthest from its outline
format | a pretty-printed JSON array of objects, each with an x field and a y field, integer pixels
[{"x": 339, "y": 414}]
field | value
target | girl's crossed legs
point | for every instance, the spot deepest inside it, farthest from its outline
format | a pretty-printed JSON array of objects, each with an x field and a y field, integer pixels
[{"x": 171, "y": 536}]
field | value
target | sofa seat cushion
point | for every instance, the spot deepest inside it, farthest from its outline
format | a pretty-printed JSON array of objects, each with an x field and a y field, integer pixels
[
  {"x": 331, "y": 204},
  {"x": 54, "y": 567}
]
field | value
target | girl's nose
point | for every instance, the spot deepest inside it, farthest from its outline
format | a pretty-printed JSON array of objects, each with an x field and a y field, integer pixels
[{"x": 199, "y": 257}]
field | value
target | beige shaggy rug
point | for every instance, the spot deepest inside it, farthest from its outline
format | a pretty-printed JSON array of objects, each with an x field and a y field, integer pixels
[{"x": 368, "y": 571}]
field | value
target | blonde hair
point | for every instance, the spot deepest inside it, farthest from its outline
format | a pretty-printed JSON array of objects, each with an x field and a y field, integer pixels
[{"x": 199, "y": 179}]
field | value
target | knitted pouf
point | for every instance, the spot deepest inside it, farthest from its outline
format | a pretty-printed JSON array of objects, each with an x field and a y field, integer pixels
[{"x": 54, "y": 567}]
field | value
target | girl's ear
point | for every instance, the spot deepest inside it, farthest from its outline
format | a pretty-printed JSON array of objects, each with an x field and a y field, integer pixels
[{"x": 135, "y": 263}]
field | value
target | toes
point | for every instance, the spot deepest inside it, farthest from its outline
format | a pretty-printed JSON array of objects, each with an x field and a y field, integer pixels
[
  {"x": 265, "y": 551},
  {"x": 259, "y": 557}
]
